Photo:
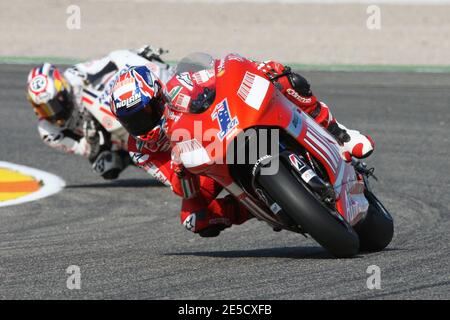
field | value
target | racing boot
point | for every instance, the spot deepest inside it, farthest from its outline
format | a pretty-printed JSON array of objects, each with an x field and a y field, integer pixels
[
  {"x": 351, "y": 142},
  {"x": 212, "y": 231}
]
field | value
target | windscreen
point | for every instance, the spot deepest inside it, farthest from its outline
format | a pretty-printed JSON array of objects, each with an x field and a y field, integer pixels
[{"x": 195, "y": 62}]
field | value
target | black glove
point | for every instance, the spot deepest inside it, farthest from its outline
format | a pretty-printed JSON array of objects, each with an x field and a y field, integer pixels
[
  {"x": 96, "y": 136},
  {"x": 152, "y": 54},
  {"x": 91, "y": 130}
]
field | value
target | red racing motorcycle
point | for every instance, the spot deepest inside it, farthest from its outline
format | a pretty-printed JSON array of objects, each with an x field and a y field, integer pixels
[{"x": 278, "y": 162}]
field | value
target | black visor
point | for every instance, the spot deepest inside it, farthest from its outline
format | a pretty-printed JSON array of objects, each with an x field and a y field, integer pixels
[
  {"x": 145, "y": 120},
  {"x": 61, "y": 105}
]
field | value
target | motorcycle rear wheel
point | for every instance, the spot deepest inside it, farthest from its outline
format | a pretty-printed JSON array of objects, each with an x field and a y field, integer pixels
[{"x": 326, "y": 227}]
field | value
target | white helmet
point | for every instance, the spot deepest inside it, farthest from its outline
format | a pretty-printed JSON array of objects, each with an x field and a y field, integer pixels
[{"x": 49, "y": 93}]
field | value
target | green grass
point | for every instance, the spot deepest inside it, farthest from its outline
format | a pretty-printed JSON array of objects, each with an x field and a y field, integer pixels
[{"x": 298, "y": 66}]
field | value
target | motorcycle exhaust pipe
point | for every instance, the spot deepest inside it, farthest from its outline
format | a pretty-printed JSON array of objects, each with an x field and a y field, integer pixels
[{"x": 310, "y": 178}]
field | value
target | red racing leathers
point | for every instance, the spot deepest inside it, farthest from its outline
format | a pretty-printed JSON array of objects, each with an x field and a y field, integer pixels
[{"x": 201, "y": 208}]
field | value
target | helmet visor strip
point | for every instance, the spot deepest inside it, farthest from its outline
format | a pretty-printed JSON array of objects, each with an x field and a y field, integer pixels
[
  {"x": 58, "y": 108},
  {"x": 145, "y": 120}
]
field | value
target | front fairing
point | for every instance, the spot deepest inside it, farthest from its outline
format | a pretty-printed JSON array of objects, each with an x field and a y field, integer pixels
[{"x": 229, "y": 114}]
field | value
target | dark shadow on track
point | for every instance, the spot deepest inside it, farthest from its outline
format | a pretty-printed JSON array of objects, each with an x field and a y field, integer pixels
[
  {"x": 315, "y": 253},
  {"x": 365, "y": 253},
  {"x": 284, "y": 252},
  {"x": 124, "y": 183}
]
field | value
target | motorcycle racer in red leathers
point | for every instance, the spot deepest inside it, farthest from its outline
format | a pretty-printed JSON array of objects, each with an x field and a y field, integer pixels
[{"x": 147, "y": 108}]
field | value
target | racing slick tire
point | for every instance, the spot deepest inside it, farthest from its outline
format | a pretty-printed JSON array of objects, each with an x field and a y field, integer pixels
[{"x": 328, "y": 228}]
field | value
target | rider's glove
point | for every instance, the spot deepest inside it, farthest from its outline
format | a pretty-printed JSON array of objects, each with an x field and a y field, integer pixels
[
  {"x": 189, "y": 183},
  {"x": 94, "y": 136},
  {"x": 273, "y": 70},
  {"x": 277, "y": 73},
  {"x": 91, "y": 130},
  {"x": 151, "y": 53}
]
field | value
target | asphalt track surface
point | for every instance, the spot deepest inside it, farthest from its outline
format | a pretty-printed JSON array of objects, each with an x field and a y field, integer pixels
[{"x": 127, "y": 239}]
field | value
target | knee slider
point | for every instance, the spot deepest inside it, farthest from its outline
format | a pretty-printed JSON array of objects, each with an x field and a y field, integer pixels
[{"x": 189, "y": 222}]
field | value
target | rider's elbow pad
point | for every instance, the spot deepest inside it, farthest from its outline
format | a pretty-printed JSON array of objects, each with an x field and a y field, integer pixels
[{"x": 300, "y": 84}]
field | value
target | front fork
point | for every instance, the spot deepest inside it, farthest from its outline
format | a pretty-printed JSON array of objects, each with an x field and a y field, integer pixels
[{"x": 304, "y": 174}]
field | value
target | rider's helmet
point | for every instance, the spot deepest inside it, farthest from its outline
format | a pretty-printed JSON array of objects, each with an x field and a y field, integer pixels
[
  {"x": 138, "y": 99},
  {"x": 50, "y": 94}
]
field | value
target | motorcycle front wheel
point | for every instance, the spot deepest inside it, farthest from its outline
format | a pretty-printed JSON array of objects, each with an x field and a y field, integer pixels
[{"x": 328, "y": 228}]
